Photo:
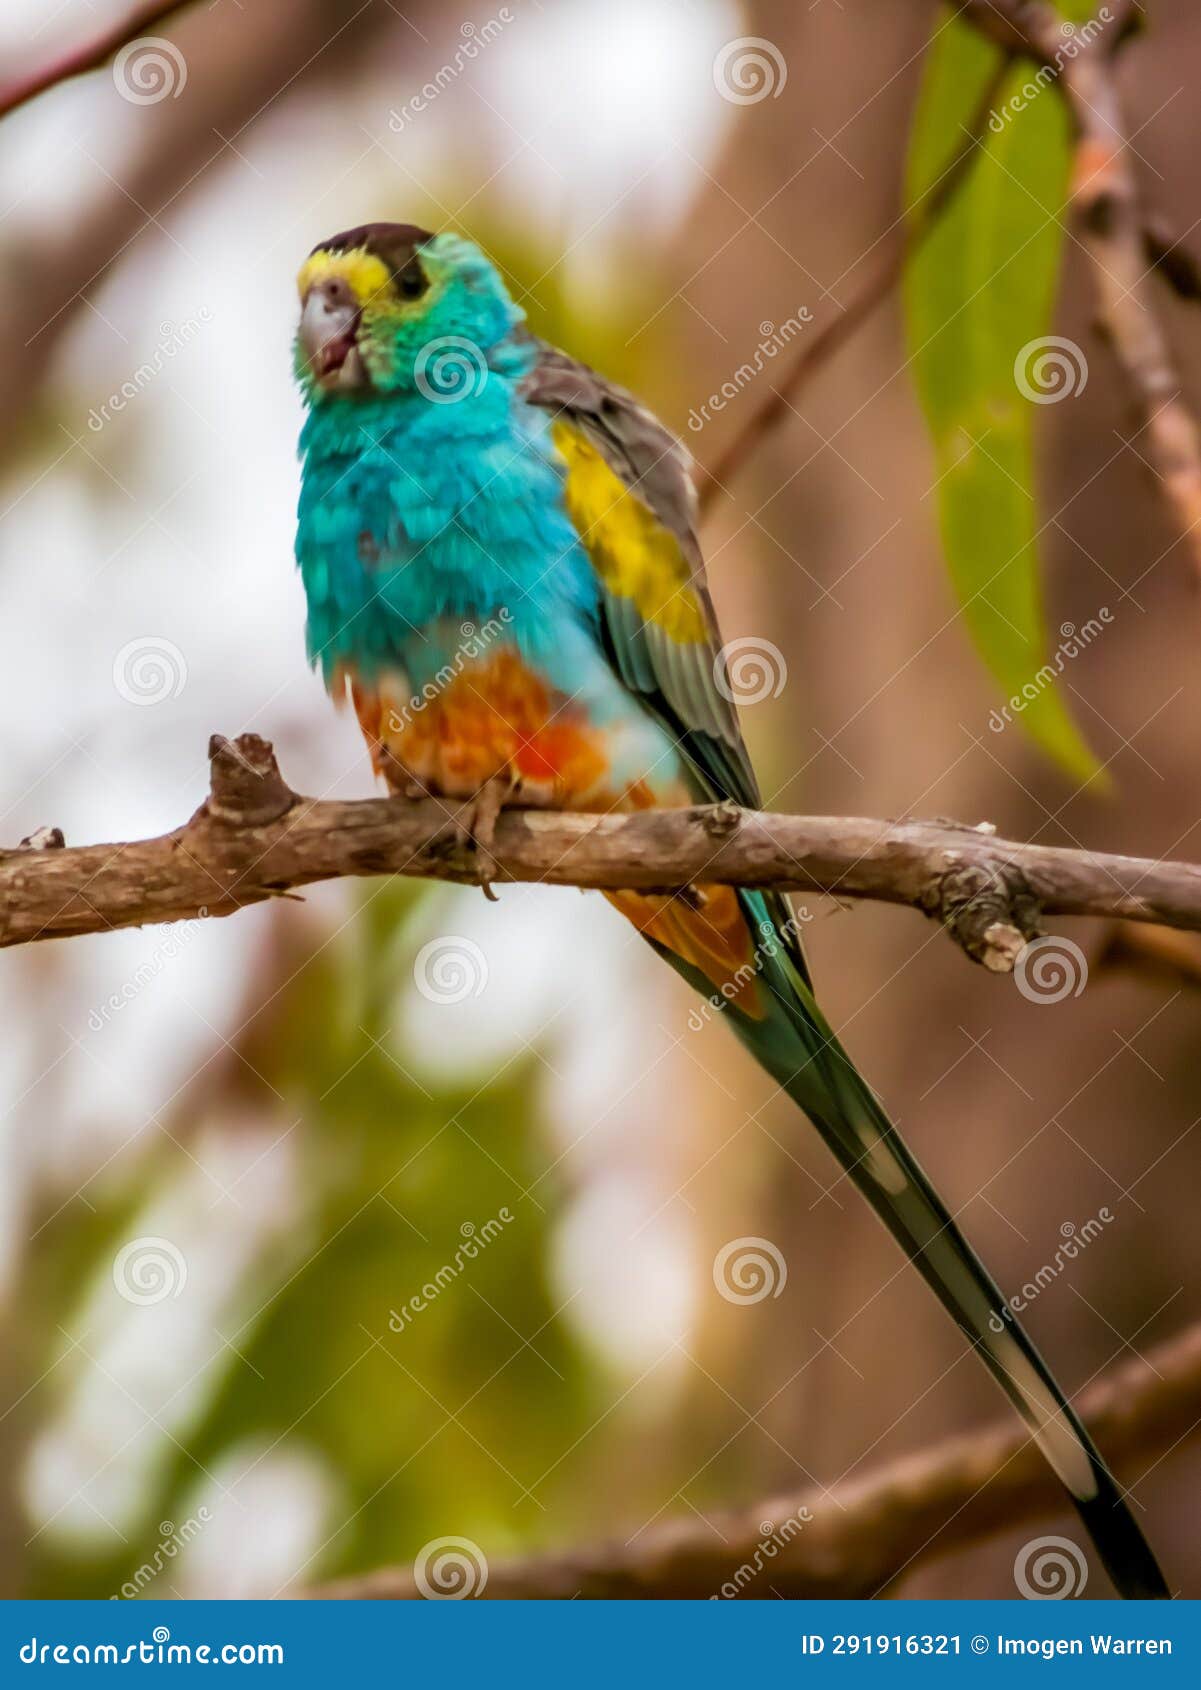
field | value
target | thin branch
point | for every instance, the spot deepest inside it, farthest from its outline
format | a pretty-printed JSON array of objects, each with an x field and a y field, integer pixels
[
  {"x": 901, "y": 242},
  {"x": 1117, "y": 233},
  {"x": 857, "y": 1540},
  {"x": 254, "y": 838},
  {"x": 90, "y": 56},
  {"x": 238, "y": 68},
  {"x": 1011, "y": 24}
]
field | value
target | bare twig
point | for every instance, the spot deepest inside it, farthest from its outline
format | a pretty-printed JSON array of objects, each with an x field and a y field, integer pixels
[
  {"x": 901, "y": 242},
  {"x": 238, "y": 68},
  {"x": 90, "y": 56},
  {"x": 1125, "y": 257},
  {"x": 254, "y": 839},
  {"x": 1115, "y": 231},
  {"x": 859, "y": 1539}
]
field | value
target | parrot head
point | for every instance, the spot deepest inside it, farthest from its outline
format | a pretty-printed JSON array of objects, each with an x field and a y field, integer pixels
[{"x": 388, "y": 307}]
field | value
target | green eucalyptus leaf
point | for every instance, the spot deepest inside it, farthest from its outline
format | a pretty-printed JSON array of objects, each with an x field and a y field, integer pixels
[{"x": 979, "y": 301}]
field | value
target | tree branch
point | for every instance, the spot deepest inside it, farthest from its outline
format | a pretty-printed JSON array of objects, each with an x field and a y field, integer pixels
[
  {"x": 254, "y": 838},
  {"x": 1125, "y": 257},
  {"x": 901, "y": 242},
  {"x": 90, "y": 56},
  {"x": 857, "y": 1540},
  {"x": 1120, "y": 237}
]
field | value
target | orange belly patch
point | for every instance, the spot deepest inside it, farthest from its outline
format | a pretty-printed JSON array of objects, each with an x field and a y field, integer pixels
[{"x": 496, "y": 718}]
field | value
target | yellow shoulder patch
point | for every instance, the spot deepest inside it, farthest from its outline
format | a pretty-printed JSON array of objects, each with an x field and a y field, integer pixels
[
  {"x": 368, "y": 275},
  {"x": 635, "y": 556}
]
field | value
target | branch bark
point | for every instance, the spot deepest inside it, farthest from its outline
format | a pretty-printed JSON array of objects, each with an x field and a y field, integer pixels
[
  {"x": 254, "y": 838},
  {"x": 1118, "y": 234},
  {"x": 1128, "y": 244},
  {"x": 858, "y": 1539}
]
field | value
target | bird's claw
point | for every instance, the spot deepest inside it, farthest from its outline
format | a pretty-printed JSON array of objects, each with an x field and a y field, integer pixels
[{"x": 475, "y": 826}]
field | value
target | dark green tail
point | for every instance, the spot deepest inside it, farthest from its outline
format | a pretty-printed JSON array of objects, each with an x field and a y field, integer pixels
[{"x": 796, "y": 1046}]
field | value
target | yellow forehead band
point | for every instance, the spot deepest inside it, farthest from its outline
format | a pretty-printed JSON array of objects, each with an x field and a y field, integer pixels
[{"x": 368, "y": 276}]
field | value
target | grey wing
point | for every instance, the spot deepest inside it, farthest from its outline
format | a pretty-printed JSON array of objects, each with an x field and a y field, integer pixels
[{"x": 686, "y": 684}]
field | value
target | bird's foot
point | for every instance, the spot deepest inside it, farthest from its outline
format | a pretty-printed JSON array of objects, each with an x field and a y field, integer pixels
[
  {"x": 475, "y": 825},
  {"x": 401, "y": 784}
]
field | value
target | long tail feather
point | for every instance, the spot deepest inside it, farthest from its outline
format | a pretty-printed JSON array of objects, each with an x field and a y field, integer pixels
[{"x": 790, "y": 1037}]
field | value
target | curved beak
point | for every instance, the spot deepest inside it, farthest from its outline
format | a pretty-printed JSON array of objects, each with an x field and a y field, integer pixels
[{"x": 329, "y": 323}]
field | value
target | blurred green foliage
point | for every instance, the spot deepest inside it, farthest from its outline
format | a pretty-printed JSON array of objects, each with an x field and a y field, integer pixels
[{"x": 430, "y": 1430}]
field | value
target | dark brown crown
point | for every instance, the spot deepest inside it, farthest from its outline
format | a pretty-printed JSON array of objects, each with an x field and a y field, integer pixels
[{"x": 393, "y": 243}]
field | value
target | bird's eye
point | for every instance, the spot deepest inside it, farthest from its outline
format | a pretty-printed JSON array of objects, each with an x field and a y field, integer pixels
[{"x": 411, "y": 283}]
